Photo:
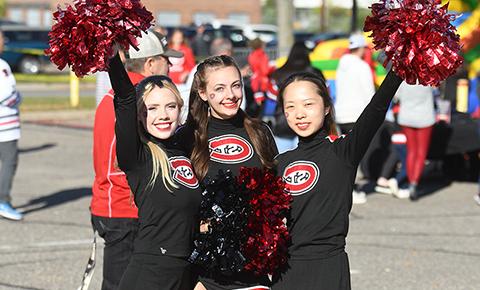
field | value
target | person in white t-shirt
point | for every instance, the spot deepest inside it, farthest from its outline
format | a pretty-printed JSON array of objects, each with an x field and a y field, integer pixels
[
  {"x": 9, "y": 135},
  {"x": 354, "y": 89}
]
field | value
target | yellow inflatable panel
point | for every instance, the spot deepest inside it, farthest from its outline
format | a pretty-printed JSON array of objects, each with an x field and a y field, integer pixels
[
  {"x": 474, "y": 69},
  {"x": 456, "y": 5},
  {"x": 467, "y": 27}
]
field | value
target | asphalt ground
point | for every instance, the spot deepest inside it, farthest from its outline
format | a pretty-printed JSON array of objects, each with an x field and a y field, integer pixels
[{"x": 393, "y": 244}]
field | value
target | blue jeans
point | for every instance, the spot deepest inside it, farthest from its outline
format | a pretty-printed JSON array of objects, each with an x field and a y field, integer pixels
[{"x": 401, "y": 150}]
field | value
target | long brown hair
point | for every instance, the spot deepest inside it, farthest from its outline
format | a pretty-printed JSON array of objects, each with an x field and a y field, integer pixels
[
  {"x": 199, "y": 116},
  {"x": 322, "y": 90}
]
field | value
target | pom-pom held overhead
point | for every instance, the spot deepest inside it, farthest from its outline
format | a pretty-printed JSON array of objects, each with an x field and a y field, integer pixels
[
  {"x": 417, "y": 37},
  {"x": 84, "y": 34}
]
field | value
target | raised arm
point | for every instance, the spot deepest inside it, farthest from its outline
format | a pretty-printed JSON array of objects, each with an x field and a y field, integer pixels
[
  {"x": 353, "y": 146},
  {"x": 128, "y": 141}
]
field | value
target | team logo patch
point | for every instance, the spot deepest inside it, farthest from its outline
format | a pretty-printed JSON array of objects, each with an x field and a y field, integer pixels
[
  {"x": 300, "y": 177},
  {"x": 230, "y": 149},
  {"x": 183, "y": 172}
]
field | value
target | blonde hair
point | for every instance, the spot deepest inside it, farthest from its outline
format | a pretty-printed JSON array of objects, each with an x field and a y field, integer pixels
[{"x": 160, "y": 162}]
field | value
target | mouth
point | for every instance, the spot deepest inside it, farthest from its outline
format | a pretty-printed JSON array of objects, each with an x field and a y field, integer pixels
[
  {"x": 303, "y": 125},
  {"x": 230, "y": 104},
  {"x": 165, "y": 126}
]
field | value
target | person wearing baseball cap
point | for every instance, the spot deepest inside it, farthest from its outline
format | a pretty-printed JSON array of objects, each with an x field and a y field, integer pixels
[
  {"x": 354, "y": 89},
  {"x": 114, "y": 215},
  {"x": 151, "y": 55}
]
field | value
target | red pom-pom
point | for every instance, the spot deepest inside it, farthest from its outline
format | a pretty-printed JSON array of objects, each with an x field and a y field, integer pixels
[
  {"x": 266, "y": 248},
  {"x": 83, "y": 35},
  {"x": 417, "y": 37}
]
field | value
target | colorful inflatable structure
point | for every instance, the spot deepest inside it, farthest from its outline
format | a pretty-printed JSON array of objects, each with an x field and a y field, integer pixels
[{"x": 326, "y": 54}]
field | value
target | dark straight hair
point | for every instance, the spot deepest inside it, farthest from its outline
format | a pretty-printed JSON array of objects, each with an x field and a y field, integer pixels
[{"x": 322, "y": 90}]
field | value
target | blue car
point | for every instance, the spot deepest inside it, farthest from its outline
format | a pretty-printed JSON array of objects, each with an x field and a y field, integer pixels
[{"x": 24, "y": 48}]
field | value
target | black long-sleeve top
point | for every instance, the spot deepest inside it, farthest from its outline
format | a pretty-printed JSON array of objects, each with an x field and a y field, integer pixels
[
  {"x": 167, "y": 220},
  {"x": 320, "y": 174},
  {"x": 230, "y": 148}
]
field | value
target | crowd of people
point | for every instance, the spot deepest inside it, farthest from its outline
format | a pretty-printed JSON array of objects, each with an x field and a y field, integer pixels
[
  {"x": 169, "y": 123},
  {"x": 176, "y": 116}
]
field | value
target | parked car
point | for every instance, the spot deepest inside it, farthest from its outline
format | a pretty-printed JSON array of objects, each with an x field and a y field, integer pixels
[
  {"x": 313, "y": 41},
  {"x": 266, "y": 32},
  {"x": 24, "y": 48}
]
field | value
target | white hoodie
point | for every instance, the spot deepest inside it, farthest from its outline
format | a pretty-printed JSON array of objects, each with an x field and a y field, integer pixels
[
  {"x": 9, "y": 103},
  {"x": 354, "y": 87}
]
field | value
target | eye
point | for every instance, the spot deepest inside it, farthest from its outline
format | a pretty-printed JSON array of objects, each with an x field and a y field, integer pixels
[
  {"x": 236, "y": 86},
  {"x": 172, "y": 106},
  {"x": 152, "y": 108},
  {"x": 308, "y": 104},
  {"x": 219, "y": 89},
  {"x": 288, "y": 107}
]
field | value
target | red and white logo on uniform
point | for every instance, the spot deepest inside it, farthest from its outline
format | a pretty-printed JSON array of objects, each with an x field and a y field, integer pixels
[
  {"x": 300, "y": 177},
  {"x": 230, "y": 149},
  {"x": 183, "y": 172}
]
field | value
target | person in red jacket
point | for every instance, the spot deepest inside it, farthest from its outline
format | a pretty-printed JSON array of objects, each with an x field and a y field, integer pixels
[
  {"x": 261, "y": 69},
  {"x": 182, "y": 66},
  {"x": 114, "y": 214}
]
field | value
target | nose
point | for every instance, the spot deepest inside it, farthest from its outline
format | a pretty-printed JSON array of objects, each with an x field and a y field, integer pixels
[
  {"x": 162, "y": 114},
  {"x": 300, "y": 114}
]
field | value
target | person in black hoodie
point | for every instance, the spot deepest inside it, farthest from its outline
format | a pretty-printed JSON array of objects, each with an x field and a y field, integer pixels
[
  {"x": 225, "y": 138},
  {"x": 161, "y": 178},
  {"x": 298, "y": 61},
  {"x": 320, "y": 175}
]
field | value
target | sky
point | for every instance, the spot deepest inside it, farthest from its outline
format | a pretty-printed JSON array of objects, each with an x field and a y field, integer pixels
[
  {"x": 342, "y": 3},
  {"x": 348, "y": 3}
]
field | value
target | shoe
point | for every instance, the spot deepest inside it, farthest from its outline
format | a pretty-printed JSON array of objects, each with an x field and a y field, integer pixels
[
  {"x": 359, "y": 197},
  {"x": 383, "y": 189},
  {"x": 477, "y": 198},
  {"x": 393, "y": 185},
  {"x": 8, "y": 212},
  {"x": 413, "y": 192},
  {"x": 402, "y": 193}
]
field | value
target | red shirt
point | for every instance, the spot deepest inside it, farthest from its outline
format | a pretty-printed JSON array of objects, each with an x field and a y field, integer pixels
[
  {"x": 258, "y": 61},
  {"x": 181, "y": 65},
  {"x": 111, "y": 193}
]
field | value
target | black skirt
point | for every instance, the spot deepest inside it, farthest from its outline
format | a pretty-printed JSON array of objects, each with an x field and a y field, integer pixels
[
  {"x": 151, "y": 272},
  {"x": 331, "y": 273},
  {"x": 242, "y": 280}
]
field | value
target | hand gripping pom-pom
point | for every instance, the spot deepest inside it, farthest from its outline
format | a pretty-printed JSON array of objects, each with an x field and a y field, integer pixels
[
  {"x": 417, "y": 37},
  {"x": 246, "y": 223},
  {"x": 83, "y": 35}
]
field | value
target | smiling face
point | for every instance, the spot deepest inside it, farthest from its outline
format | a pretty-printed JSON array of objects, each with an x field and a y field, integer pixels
[
  {"x": 223, "y": 92},
  {"x": 304, "y": 108},
  {"x": 160, "y": 118}
]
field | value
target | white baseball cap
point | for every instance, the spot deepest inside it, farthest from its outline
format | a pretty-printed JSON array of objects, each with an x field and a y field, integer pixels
[
  {"x": 356, "y": 41},
  {"x": 151, "y": 44}
]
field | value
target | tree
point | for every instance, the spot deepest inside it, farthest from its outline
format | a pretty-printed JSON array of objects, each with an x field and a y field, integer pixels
[
  {"x": 285, "y": 10},
  {"x": 2, "y": 8},
  {"x": 354, "y": 16}
]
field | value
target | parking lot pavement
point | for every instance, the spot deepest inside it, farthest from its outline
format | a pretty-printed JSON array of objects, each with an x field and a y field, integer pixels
[{"x": 393, "y": 244}]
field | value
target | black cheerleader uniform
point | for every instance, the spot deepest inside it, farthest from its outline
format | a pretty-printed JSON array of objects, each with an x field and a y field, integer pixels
[
  {"x": 320, "y": 175},
  {"x": 168, "y": 220},
  {"x": 231, "y": 148}
]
